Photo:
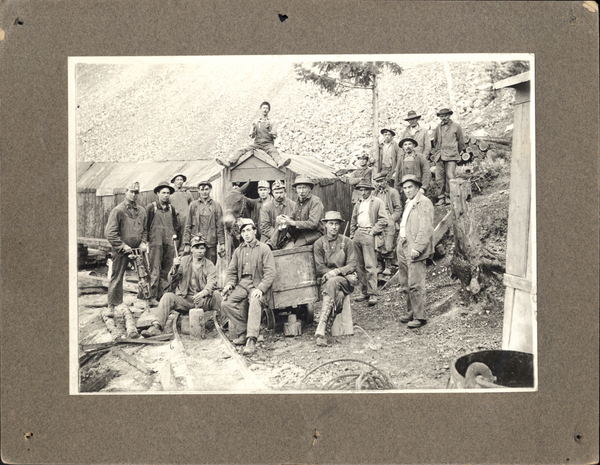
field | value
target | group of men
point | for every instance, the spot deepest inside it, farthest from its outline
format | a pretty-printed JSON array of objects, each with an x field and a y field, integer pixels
[{"x": 184, "y": 237}]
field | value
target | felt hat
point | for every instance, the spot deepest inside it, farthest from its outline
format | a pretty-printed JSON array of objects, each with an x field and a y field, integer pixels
[
  {"x": 278, "y": 184},
  {"x": 162, "y": 185},
  {"x": 133, "y": 187},
  {"x": 415, "y": 143},
  {"x": 332, "y": 216},
  {"x": 205, "y": 183},
  {"x": 444, "y": 111},
  {"x": 197, "y": 240},
  {"x": 242, "y": 222},
  {"x": 380, "y": 175},
  {"x": 303, "y": 180},
  {"x": 384, "y": 130},
  {"x": 179, "y": 174},
  {"x": 365, "y": 184},
  {"x": 411, "y": 177},
  {"x": 264, "y": 184},
  {"x": 411, "y": 115}
]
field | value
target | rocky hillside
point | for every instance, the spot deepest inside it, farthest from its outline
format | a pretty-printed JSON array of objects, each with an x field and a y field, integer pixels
[{"x": 184, "y": 111}]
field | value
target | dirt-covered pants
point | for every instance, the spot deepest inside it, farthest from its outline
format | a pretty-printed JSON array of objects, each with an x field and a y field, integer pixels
[
  {"x": 444, "y": 172},
  {"x": 412, "y": 281},
  {"x": 267, "y": 147},
  {"x": 244, "y": 313},
  {"x": 161, "y": 251},
  {"x": 171, "y": 301},
  {"x": 366, "y": 261},
  {"x": 337, "y": 288}
]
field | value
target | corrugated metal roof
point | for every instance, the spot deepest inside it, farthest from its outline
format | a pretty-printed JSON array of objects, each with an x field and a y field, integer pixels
[{"x": 108, "y": 178}]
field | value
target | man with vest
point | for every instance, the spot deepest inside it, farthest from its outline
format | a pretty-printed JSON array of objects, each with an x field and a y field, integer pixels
[
  {"x": 125, "y": 230},
  {"x": 391, "y": 199},
  {"x": 163, "y": 229},
  {"x": 419, "y": 133},
  {"x": 195, "y": 279},
  {"x": 181, "y": 199},
  {"x": 415, "y": 245},
  {"x": 264, "y": 133},
  {"x": 205, "y": 219},
  {"x": 448, "y": 143},
  {"x": 272, "y": 212},
  {"x": 249, "y": 277},
  {"x": 369, "y": 219},
  {"x": 412, "y": 162}
]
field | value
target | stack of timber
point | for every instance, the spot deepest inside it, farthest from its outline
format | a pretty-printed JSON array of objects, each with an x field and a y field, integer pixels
[{"x": 478, "y": 148}]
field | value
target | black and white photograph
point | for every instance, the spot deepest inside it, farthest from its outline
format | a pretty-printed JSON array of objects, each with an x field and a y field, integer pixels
[{"x": 302, "y": 224}]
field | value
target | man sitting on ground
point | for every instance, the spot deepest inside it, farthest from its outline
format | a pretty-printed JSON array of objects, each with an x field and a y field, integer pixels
[{"x": 196, "y": 279}]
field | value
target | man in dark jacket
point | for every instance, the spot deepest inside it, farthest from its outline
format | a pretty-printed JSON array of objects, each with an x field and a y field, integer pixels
[
  {"x": 448, "y": 143},
  {"x": 163, "y": 231},
  {"x": 415, "y": 245},
  {"x": 196, "y": 279},
  {"x": 180, "y": 200},
  {"x": 391, "y": 198},
  {"x": 412, "y": 162},
  {"x": 388, "y": 154},
  {"x": 272, "y": 212},
  {"x": 363, "y": 172},
  {"x": 250, "y": 274}
]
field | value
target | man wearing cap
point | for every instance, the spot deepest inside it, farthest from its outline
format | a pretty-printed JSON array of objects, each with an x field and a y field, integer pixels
[
  {"x": 369, "y": 219},
  {"x": 195, "y": 278},
  {"x": 205, "y": 219},
  {"x": 264, "y": 191},
  {"x": 363, "y": 172},
  {"x": 271, "y": 213},
  {"x": 249, "y": 277},
  {"x": 391, "y": 199},
  {"x": 415, "y": 245},
  {"x": 163, "y": 230},
  {"x": 448, "y": 143},
  {"x": 411, "y": 162},
  {"x": 419, "y": 133},
  {"x": 180, "y": 200},
  {"x": 264, "y": 132},
  {"x": 335, "y": 263},
  {"x": 125, "y": 230},
  {"x": 388, "y": 153}
]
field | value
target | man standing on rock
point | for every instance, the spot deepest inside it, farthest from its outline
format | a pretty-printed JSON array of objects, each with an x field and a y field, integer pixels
[
  {"x": 125, "y": 230},
  {"x": 419, "y": 133},
  {"x": 411, "y": 162},
  {"x": 206, "y": 219},
  {"x": 369, "y": 219},
  {"x": 304, "y": 226},
  {"x": 264, "y": 132},
  {"x": 415, "y": 245},
  {"x": 448, "y": 143},
  {"x": 391, "y": 199},
  {"x": 388, "y": 153},
  {"x": 180, "y": 200},
  {"x": 336, "y": 268},
  {"x": 195, "y": 278},
  {"x": 250, "y": 275},
  {"x": 364, "y": 172},
  {"x": 272, "y": 213},
  {"x": 162, "y": 227}
]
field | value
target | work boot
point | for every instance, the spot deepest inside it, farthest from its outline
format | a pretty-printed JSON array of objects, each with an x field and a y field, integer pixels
[
  {"x": 326, "y": 309},
  {"x": 361, "y": 298},
  {"x": 240, "y": 340},
  {"x": 322, "y": 342},
  {"x": 405, "y": 319},
  {"x": 153, "y": 330},
  {"x": 372, "y": 300},
  {"x": 250, "y": 346},
  {"x": 285, "y": 163},
  {"x": 388, "y": 267},
  {"x": 416, "y": 324}
]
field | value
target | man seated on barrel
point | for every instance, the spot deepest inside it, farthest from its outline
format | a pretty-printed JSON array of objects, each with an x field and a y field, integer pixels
[
  {"x": 250, "y": 275},
  {"x": 196, "y": 280},
  {"x": 336, "y": 268}
]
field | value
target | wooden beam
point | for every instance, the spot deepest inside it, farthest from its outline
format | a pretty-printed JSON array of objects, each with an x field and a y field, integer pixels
[
  {"x": 94, "y": 243},
  {"x": 86, "y": 280},
  {"x": 442, "y": 227},
  {"x": 517, "y": 282}
]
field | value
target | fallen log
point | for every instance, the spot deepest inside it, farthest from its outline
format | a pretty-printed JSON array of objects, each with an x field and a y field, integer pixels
[
  {"x": 87, "y": 280},
  {"x": 496, "y": 140},
  {"x": 94, "y": 243},
  {"x": 132, "y": 361}
]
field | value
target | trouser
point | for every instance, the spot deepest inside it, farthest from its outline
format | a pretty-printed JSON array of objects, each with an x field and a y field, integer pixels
[
  {"x": 244, "y": 313},
  {"x": 115, "y": 286},
  {"x": 366, "y": 260},
  {"x": 264, "y": 146},
  {"x": 412, "y": 281},
  {"x": 337, "y": 288},
  {"x": 444, "y": 172},
  {"x": 171, "y": 301},
  {"x": 160, "y": 257}
]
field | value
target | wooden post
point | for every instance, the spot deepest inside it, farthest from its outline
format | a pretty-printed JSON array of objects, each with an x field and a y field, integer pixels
[
  {"x": 467, "y": 252},
  {"x": 376, "y": 123}
]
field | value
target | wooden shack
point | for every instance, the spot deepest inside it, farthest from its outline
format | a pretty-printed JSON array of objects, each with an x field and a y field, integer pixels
[{"x": 520, "y": 299}]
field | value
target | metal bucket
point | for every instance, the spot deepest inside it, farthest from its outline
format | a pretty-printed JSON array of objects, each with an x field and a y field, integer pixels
[{"x": 511, "y": 368}]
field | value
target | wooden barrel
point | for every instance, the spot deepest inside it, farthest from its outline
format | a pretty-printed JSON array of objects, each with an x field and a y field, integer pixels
[{"x": 511, "y": 368}]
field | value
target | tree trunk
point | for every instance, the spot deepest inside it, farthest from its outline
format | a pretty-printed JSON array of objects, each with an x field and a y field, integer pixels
[
  {"x": 466, "y": 263},
  {"x": 376, "y": 124}
]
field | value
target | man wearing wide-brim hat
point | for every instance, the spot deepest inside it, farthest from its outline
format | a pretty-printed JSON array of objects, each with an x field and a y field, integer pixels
[
  {"x": 448, "y": 143},
  {"x": 335, "y": 262},
  {"x": 363, "y": 172},
  {"x": 369, "y": 220},
  {"x": 181, "y": 199},
  {"x": 415, "y": 245},
  {"x": 388, "y": 153},
  {"x": 419, "y": 132},
  {"x": 303, "y": 226},
  {"x": 163, "y": 227},
  {"x": 391, "y": 199},
  {"x": 412, "y": 162},
  {"x": 205, "y": 219}
]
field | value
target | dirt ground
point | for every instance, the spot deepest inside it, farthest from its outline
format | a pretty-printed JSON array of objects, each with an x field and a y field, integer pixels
[{"x": 410, "y": 359}]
